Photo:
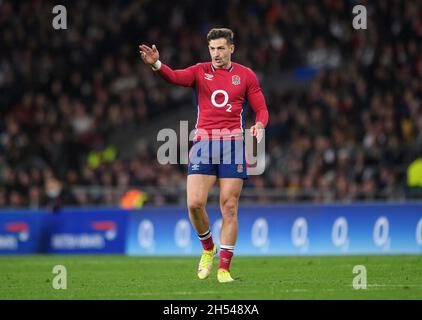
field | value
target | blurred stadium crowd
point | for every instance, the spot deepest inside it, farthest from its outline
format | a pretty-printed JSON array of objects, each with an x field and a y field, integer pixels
[{"x": 350, "y": 135}]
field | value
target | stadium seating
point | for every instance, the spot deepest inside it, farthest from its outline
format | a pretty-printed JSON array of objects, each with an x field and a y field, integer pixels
[{"x": 347, "y": 131}]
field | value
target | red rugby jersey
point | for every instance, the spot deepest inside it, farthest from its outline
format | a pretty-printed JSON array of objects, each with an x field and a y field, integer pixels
[{"x": 221, "y": 96}]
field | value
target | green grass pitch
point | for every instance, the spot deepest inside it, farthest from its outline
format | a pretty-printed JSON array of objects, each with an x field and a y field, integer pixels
[{"x": 162, "y": 278}]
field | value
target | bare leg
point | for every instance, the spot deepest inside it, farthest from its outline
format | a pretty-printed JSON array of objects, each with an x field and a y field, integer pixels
[
  {"x": 230, "y": 189},
  {"x": 198, "y": 186}
]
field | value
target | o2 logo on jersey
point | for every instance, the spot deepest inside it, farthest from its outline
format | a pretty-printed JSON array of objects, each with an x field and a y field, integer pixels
[{"x": 225, "y": 100}]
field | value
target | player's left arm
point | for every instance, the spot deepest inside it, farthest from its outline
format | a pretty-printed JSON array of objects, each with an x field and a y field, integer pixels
[{"x": 257, "y": 101}]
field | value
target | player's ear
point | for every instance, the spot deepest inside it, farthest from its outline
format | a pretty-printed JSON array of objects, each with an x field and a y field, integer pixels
[{"x": 231, "y": 48}]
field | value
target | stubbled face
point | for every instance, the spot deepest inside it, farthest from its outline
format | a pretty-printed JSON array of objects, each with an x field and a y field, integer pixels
[{"x": 220, "y": 52}]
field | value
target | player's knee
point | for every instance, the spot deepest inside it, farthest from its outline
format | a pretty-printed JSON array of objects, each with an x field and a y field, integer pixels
[
  {"x": 196, "y": 206},
  {"x": 229, "y": 208}
]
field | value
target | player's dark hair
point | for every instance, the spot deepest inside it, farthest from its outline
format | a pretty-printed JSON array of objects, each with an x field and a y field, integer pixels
[{"x": 217, "y": 33}]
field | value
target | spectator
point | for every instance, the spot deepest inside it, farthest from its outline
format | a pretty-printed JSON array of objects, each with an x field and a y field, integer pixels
[{"x": 349, "y": 135}]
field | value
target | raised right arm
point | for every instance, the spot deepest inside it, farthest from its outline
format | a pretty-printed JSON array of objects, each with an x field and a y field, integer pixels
[{"x": 185, "y": 77}]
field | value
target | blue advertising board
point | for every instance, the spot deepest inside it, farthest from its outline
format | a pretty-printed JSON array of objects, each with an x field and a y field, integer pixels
[
  {"x": 310, "y": 229},
  {"x": 68, "y": 232},
  {"x": 162, "y": 231},
  {"x": 21, "y": 232},
  {"x": 82, "y": 231},
  {"x": 286, "y": 230}
]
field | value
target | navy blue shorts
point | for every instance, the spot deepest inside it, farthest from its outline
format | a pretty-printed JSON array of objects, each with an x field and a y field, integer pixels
[{"x": 220, "y": 158}]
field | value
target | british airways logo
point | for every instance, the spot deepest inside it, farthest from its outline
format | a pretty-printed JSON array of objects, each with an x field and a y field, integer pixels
[
  {"x": 12, "y": 233},
  {"x": 109, "y": 227},
  {"x": 19, "y": 228},
  {"x": 208, "y": 76}
]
